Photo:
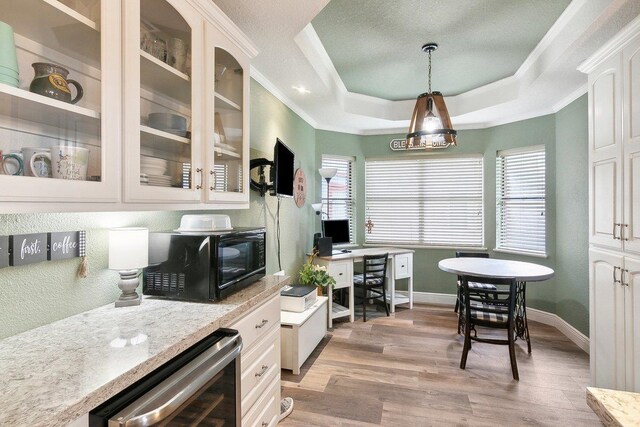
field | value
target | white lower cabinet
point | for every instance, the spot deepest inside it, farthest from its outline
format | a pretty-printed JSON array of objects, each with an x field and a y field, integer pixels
[
  {"x": 614, "y": 294},
  {"x": 260, "y": 364}
]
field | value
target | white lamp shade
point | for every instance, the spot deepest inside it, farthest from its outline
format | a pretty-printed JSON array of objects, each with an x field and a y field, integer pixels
[
  {"x": 328, "y": 172},
  {"x": 128, "y": 248},
  {"x": 316, "y": 206}
]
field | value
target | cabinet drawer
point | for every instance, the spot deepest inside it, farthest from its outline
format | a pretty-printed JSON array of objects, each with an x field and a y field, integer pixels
[
  {"x": 403, "y": 265},
  {"x": 340, "y": 271},
  {"x": 260, "y": 369},
  {"x": 257, "y": 323},
  {"x": 266, "y": 411}
]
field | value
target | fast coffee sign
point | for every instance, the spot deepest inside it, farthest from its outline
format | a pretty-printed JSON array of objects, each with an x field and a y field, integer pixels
[{"x": 23, "y": 249}]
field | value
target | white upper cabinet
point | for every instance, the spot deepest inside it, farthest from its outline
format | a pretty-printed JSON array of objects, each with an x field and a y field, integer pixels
[
  {"x": 163, "y": 115},
  {"x": 59, "y": 133},
  {"x": 226, "y": 125},
  {"x": 135, "y": 106},
  {"x": 631, "y": 142}
]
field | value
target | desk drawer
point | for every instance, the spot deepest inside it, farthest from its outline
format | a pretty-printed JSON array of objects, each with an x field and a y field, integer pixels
[
  {"x": 259, "y": 369},
  {"x": 258, "y": 322},
  {"x": 342, "y": 272},
  {"x": 403, "y": 265}
]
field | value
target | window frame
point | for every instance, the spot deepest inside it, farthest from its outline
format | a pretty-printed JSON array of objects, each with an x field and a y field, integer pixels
[
  {"x": 350, "y": 200},
  {"x": 499, "y": 246},
  {"x": 434, "y": 156}
]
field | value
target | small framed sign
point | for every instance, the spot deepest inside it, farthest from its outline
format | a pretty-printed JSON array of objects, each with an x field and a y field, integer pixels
[
  {"x": 64, "y": 245},
  {"x": 28, "y": 248}
]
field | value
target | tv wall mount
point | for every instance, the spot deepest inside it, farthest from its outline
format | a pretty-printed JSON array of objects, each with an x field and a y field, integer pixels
[{"x": 262, "y": 186}]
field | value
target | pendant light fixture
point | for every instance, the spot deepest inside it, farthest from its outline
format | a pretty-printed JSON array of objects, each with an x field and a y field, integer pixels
[{"x": 430, "y": 124}]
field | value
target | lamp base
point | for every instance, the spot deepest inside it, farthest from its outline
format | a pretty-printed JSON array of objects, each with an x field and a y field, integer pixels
[{"x": 128, "y": 283}]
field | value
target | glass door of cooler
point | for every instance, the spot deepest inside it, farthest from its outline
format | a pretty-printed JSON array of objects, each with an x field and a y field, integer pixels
[
  {"x": 59, "y": 95},
  {"x": 162, "y": 124},
  {"x": 227, "y": 122}
]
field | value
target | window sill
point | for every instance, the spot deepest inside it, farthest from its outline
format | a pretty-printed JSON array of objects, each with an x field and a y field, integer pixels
[{"x": 522, "y": 253}]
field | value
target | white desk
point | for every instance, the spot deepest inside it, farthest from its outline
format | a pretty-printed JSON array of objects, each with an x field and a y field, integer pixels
[{"x": 340, "y": 267}]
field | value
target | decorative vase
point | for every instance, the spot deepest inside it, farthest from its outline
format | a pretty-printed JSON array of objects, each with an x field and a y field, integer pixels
[{"x": 51, "y": 80}]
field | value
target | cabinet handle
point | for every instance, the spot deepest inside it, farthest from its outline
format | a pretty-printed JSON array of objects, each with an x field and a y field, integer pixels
[
  {"x": 615, "y": 224},
  {"x": 625, "y": 232},
  {"x": 625, "y": 273},
  {"x": 402, "y": 266},
  {"x": 265, "y": 424},
  {"x": 261, "y": 325},
  {"x": 215, "y": 179},
  {"x": 199, "y": 186},
  {"x": 262, "y": 371},
  {"x": 614, "y": 275}
]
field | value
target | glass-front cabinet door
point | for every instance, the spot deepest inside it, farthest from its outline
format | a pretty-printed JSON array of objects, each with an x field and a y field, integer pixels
[
  {"x": 162, "y": 101},
  {"x": 226, "y": 133},
  {"x": 60, "y": 121}
]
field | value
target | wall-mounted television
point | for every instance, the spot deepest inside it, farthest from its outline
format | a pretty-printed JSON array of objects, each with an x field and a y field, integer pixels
[
  {"x": 337, "y": 229},
  {"x": 282, "y": 170}
]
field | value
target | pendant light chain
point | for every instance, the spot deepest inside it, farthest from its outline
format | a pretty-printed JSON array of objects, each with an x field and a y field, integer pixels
[{"x": 429, "y": 71}]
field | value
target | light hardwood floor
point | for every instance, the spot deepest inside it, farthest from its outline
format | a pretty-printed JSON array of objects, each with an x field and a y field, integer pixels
[{"x": 404, "y": 370}]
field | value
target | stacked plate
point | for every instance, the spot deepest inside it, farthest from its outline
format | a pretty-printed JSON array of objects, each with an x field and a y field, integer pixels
[
  {"x": 152, "y": 166},
  {"x": 159, "y": 180}
]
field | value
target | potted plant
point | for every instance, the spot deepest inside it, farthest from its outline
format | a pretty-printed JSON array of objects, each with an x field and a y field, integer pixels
[{"x": 317, "y": 275}]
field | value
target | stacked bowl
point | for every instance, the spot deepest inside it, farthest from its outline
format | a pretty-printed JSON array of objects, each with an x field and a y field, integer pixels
[
  {"x": 8, "y": 57},
  {"x": 153, "y": 170}
]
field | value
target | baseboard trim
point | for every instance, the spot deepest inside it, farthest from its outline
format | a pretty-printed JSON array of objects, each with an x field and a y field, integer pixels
[{"x": 551, "y": 319}]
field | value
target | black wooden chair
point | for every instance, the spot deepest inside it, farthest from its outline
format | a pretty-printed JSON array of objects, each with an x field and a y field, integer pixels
[
  {"x": 495, "y": 311},
  {"x": 475, "y": 286},
  {"x": 370, "y": 284}
]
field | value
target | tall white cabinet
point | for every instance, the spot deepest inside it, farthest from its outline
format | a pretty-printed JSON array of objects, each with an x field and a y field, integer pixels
[{"x": 614, "y": 211}]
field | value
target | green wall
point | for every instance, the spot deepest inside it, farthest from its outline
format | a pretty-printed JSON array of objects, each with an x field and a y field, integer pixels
[
  {"x": 563, "y": 134},
  {"x": 572, "y": 220},
  {"x": 38, "y": 294}
]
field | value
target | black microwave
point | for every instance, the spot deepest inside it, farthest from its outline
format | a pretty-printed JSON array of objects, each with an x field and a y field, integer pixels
[{"x": 204, "y": 266}]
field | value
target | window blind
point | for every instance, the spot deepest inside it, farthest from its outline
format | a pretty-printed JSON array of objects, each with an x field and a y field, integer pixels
[
  {"x": 341, "y": 204},
  {"x": 426, "y": 201},
  {"x": 520, "y": 198}
]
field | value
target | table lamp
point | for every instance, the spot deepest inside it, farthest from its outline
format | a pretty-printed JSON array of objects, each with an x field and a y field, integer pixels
[{"x": 128, "y": 252}]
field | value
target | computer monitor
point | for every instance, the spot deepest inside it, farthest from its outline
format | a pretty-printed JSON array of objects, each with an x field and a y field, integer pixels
[{"x": 337, "y": 229}]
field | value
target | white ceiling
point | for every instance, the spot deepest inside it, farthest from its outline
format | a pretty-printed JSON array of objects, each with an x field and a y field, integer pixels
[{"x": 291, "y": 54}]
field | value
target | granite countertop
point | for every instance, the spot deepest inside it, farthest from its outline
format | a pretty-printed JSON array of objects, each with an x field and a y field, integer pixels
[
  {"x": 53, "y": 374},
  {"x": 615, "y": 407}
]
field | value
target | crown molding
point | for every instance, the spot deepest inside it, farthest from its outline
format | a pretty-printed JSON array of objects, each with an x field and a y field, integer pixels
[
  {"x": 611, "y": 47},
  {"x": 210, "y": 10},
  {"x": 570, "y": 98}
]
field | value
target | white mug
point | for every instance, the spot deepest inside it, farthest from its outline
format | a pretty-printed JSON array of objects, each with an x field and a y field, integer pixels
[
  {"x": 41, "y": 164},
  {"x": 66, "y": 162}
]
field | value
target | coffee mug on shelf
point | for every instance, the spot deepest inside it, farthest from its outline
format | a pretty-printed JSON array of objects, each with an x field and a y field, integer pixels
[
  {"x": 66, "y": 162},
  {"x": 12, "y": 163},
  {"x": 42, "y": 164}
]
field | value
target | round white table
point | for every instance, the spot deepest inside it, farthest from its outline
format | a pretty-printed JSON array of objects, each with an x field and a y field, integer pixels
[
  {"x": 501, "y": 268},
  {"x": 522, "y": 272}
]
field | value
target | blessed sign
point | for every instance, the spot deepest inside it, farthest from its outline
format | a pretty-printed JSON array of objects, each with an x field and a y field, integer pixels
[
  {"x": 64, "y": 245},
  {"x": 28, "y": 248},
  {"x": 401, "y": 144}
]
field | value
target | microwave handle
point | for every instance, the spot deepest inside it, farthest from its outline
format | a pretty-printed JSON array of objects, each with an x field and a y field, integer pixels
[{"x": 179, "y": 388}]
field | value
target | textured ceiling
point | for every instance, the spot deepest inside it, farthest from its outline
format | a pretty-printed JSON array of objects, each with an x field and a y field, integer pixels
[{"x": 375, "y": 44}]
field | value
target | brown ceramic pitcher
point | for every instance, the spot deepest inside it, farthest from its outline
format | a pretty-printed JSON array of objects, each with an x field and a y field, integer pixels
[{"x": 51, "y": 80}]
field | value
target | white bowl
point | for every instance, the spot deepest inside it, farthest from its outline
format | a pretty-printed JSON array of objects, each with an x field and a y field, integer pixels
[
  {"x": 205, "y": 222},
  {"x": 153, "y": 170}
]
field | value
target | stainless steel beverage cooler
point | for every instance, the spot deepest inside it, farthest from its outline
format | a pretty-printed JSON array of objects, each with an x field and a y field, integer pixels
[{"x": 199, "y": 387}]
